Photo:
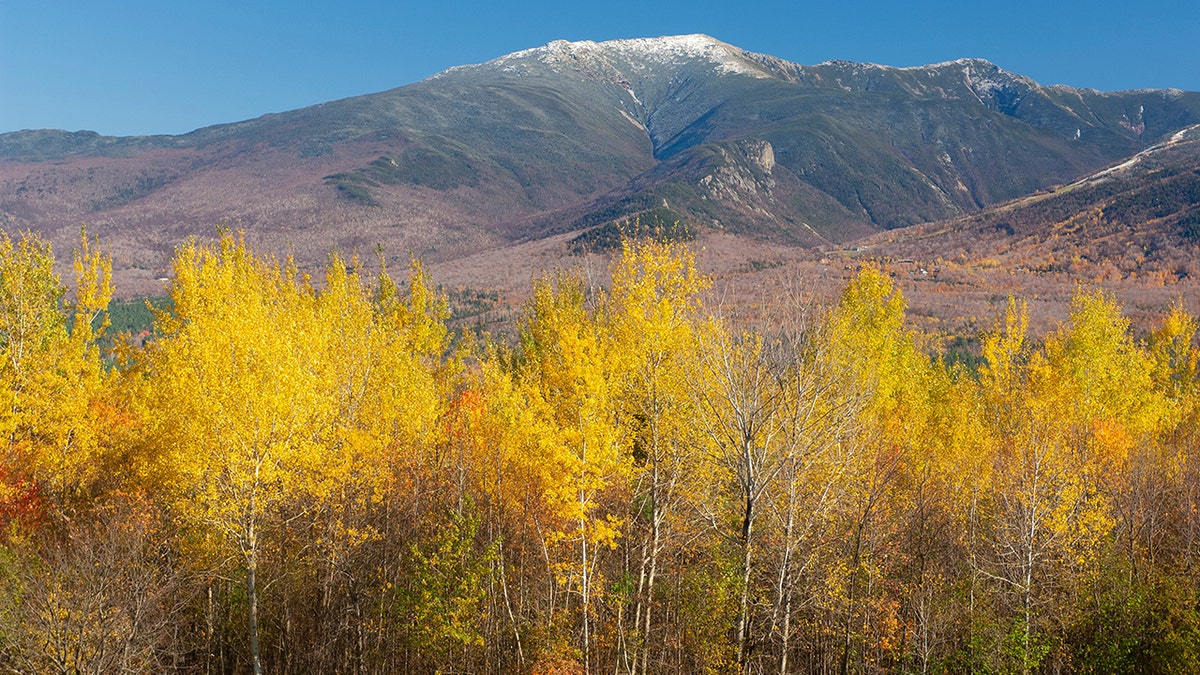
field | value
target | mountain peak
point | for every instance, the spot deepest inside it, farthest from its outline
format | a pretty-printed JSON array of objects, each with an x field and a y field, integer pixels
[
  {"x": 967, "y": 62},
  {"x": 694, "y": 45},
  {"x": 665, "y": 50}
]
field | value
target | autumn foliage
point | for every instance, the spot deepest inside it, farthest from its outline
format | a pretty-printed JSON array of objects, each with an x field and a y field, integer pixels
[{"x": 315, "y": 476}]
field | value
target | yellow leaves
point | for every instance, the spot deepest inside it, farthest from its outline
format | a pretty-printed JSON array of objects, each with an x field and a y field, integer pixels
[
  {"x": 1176, "y": 361},
  {"x": 568, "y": 375},
  {"x": 655, "y": 295},
  {"x": 30, "y": 291},
  {"x": 653, "y": 316},
  {"x": 330, "y": 422},
  {"x": 93, "y": 275},
  {"x": 1067, "y": 421},
  {"x": 513, "y": 449},
  {"x": 1095, "y": 359},
  {"x": 571, "y": 359},
  {"x": 1112, "y": 443},
  {"x": 600, "y": 378},
  {"x": 1005, "y": 348},
  {"x": 419, "y": 320},
  {"x": 606, "y": 532},
  {"x": 32, "y": 335},
  {"x": 869, "y": 318},
  {"x": 49, "y": 379},
  {"x": 1089, "y": 374},
  {"x": 868, "y": 342},
  {"x": 266, "y": 391}
]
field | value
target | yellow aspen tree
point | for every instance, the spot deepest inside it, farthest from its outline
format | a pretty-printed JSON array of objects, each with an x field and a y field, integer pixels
[
  {"x": 426, "y": 415},
  {"x": 1176, "y": 361},
  {"x": 79, "y": 458},
  {"x": 52, "y": 375},
  {"x": 1115, "y": 418},
  {"x": 1117, "y": 414},
  {"x": 652, "y": 314},
  {"x": 382, "y": 364},
  {"x": 870, "y": 344},
  {"x": 381, "y": 406},
  {"x": 90, "y": 591},
  {"x": 1176, "y": 374},
  {"x": 415, "y": 376},
  {"x": 1030, "y": 481},
  {"x": 1066, "y": 419},
  {"x": 240, "y": 401},
  {"x": 571, "y": 362},
  {"x": 32, "y": 328},
  {"x": 951, "y": 477},
  {"x": 519, "y": 469}
]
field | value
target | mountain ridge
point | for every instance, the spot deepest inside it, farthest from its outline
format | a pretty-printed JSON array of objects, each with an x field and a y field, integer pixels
[{"x": 570, "y": 136}]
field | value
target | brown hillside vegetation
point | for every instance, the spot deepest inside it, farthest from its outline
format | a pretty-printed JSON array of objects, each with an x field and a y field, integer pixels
[
  {"x": 293, "y": 476},
  {"x": 1133, "y": 228}
]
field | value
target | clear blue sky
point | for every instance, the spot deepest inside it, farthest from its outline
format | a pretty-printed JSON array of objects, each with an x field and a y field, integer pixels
[{"x": 169, "y": 66}]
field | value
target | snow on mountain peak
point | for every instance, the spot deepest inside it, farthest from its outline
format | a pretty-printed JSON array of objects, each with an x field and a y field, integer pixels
[
  {"x": 668, "y": 50},
  {"x": 960, "y": 63}
]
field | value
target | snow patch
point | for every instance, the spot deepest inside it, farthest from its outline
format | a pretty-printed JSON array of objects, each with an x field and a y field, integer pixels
[
  {"x": 1180, "y": 136},
  {"x": 855, "y": 66},
  {"x": 670, "y": 50},
  {"x": 969, "y": 61}
]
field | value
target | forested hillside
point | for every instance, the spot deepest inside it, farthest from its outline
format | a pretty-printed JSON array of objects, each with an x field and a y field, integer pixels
[{"x": 292, "y": 475}]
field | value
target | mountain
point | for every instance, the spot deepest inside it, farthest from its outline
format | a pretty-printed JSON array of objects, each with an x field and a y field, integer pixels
[
  {"x": 1139, "y": 217},
  {"x": 588, "y": 138}
]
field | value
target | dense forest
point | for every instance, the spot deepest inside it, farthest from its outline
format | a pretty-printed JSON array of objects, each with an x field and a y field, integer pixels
[{"x": 291, "y": 476}]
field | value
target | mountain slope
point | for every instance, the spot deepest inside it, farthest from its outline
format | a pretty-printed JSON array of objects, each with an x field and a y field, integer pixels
[
  {"x": 1140, "y": 217},
  {"x": 581, "y": 135}
]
